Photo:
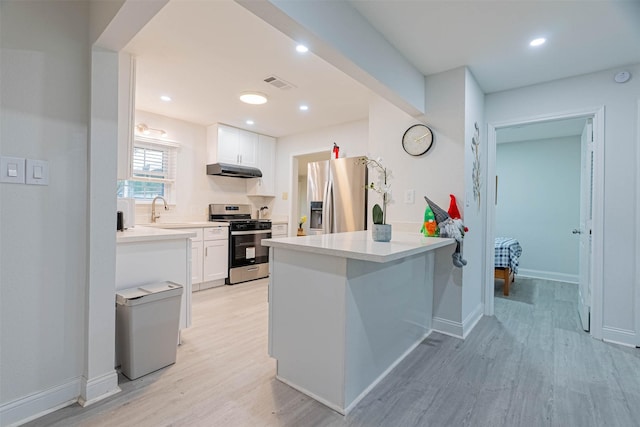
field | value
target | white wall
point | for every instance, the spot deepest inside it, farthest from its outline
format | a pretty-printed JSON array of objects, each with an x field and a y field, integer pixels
[
  {"x": 539, "y": 204},
  {"x": 195, "y": 189},
  {"x": 350, "y": 137},
  {"x": 442, "y": 171},
  {"x": 620, "y": 308},
  {"x": 474, "y": 215},
  {"x": 45, "y": 111}
]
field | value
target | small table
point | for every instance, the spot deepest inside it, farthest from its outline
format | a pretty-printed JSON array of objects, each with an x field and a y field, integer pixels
[{"x": 506, "y": 260}]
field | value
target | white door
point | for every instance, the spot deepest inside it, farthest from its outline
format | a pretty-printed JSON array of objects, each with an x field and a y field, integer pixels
[{"x": 584, "y": 232}]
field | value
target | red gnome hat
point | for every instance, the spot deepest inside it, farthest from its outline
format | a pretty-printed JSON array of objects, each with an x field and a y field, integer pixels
[{"x": 454, "y": 213}]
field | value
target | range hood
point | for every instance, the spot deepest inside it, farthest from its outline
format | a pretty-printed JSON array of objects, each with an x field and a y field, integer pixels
[{"x": 236, "y": 171}]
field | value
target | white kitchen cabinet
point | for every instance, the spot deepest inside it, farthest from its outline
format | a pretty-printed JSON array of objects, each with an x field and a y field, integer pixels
[
  {"x": 248, "y": 148},
  {"x": 209, "y": 256},
  {"x": 216, "y": 253},
  {"x": 227, "y": 144},
  {"x": 265, "y": 186}
]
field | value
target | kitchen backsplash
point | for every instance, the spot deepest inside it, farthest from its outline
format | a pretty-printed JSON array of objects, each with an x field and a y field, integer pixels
[{"x": 178, "y": 213}]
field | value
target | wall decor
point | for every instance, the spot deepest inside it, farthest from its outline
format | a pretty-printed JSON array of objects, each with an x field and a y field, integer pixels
[
  {"x": 417, "y": 140},
  {"x": 475, "y": 173}
]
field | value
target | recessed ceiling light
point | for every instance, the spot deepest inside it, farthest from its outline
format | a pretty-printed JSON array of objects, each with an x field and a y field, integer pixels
[
  {"x": 249, "y": 122},
  {"x": 165, "y": 98},
  {"x": 304, "y": 107},
  {"x": 255, "y": 98},
  {"x": 537, "y": 42},
  {"x": 302, "y": 48}
]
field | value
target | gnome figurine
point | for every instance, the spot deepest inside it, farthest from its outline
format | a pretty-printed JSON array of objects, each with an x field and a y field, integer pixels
[{"x": 450, "y": 227}]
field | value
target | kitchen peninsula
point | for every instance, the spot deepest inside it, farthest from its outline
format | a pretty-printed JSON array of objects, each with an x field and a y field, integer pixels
[{"x": 344, "y": 310}]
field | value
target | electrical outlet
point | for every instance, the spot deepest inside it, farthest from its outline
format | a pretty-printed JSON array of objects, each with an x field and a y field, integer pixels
[{"x": 409, "y": 197}]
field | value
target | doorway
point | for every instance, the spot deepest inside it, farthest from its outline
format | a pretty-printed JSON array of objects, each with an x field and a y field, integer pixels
[
  {"x": 591, "y": 241},
  {"x": 299, "y": 206}
]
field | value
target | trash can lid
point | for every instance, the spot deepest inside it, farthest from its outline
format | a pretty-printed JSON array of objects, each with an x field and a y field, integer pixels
[{"x": 148, "y": 293}]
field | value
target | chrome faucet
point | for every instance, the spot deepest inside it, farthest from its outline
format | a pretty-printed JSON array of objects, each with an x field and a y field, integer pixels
[{"x": 153, "y": 208}]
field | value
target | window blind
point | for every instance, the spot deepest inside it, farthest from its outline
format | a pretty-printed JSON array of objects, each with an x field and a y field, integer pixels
[{"x": 153, "y": 161}]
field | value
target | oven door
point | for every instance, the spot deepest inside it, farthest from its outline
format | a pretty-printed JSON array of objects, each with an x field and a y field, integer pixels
[{"x": 245, "y": 248}]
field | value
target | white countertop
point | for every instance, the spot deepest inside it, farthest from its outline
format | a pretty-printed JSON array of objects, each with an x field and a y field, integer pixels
[
  {"x": 147, "y": 234},
  {"x": 189, "y": 224},
  {"x": 360, "y": 245}
]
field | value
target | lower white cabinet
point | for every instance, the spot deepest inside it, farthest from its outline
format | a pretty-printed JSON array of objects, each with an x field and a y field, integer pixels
[
  {"x": 209, "y": 256},
  {"x": 216, "y": 253}
]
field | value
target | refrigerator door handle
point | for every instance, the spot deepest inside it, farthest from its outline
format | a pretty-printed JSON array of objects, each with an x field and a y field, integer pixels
[{"x": 327, "y": 209}]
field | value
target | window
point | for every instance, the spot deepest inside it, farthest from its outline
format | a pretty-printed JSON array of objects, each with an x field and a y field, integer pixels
[{"x": 153, "y": 170}]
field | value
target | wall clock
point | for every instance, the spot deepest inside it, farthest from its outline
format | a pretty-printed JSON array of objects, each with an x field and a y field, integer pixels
[{"x": 417, "y": 140}]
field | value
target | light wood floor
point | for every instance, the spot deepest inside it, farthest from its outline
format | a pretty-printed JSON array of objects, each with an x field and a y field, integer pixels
[{"x": 530, "y": 365}]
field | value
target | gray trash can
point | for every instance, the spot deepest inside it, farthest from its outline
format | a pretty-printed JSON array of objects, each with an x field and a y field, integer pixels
[{"x": 147, "y": 324}]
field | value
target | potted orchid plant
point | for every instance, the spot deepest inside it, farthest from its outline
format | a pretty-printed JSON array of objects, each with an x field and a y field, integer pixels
[{"x": 381, "y": 231}]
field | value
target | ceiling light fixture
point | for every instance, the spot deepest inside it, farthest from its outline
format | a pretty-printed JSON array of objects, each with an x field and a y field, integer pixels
[
  {"x": 249, "y": 122},
  {"x": 302, "y": 48},
  {"x": 254, "y": 98},
  {"x": 304, "y": 107},
  {"x": 165, "y": 98},
  {"x": 537, "y": 42},
  {"x": 146, "y": 130}
]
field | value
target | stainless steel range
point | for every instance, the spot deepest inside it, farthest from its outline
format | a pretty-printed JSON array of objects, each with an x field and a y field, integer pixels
[{"x": 248, "y": 259}]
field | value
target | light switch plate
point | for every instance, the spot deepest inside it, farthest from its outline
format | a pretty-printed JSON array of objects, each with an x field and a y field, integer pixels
[
  {"x": 37, "y": 172},
  {"x": 12, "y": 170}
]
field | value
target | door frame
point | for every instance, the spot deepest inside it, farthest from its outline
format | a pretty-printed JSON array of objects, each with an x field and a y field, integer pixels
[{"x": 596, "y": 267}]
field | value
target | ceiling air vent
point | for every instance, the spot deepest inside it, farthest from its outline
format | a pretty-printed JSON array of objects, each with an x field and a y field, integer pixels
[{"x": 276, "y": 81}]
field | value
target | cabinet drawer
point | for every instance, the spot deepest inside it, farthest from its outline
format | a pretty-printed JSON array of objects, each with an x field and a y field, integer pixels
[
  {"x": 216, "y": 233},
  {"x": 198, "y": 232}
]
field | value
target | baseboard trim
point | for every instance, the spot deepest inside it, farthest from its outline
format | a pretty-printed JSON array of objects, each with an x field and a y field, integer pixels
[
  {"x": 448, "y": 327},
  {"x": 385, "y": 373},
  {"x": 619, "y": 336},
  {"x": 345, "y": 411},
  {"x": 548, "y": 275},
  {"x": 96, "y": 389},
  {"x": 35, "y": 405},
  {"x": 472, "y": 320}
]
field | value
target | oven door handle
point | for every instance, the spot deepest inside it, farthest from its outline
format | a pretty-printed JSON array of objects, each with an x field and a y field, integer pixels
[{"x": 244, "y": 233}]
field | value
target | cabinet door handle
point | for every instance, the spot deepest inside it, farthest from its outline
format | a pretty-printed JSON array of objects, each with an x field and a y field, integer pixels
[{"x": 206, "y": 251}]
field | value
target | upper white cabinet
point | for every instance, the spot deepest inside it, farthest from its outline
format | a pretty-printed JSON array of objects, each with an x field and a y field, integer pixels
[
  {"x": 265, "y": 186},
  {"x": 227, "y": 144}
]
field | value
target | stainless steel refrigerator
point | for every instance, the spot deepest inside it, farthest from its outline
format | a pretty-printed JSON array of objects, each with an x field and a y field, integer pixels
[{"x": 337, "y": 196}]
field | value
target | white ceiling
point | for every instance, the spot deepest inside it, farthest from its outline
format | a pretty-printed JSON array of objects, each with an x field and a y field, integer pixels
[
  {"x": 205, "y": 53},
  {"x": 491, "y": 37}
]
